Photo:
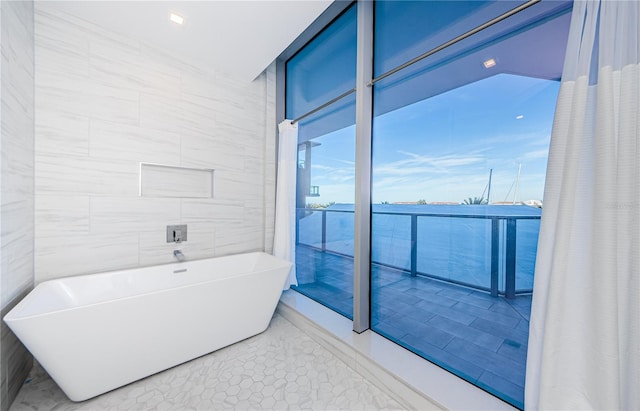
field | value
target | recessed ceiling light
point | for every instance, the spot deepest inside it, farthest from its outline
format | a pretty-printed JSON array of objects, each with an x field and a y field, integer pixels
[
  {"x": 176, "y": 18},
  {"x": 489, "y": 63}
]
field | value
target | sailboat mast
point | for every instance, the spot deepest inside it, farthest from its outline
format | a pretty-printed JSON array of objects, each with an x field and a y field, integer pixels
[
  {"x": 515, "y": 193},
  {"x": 489, "y": 189}
]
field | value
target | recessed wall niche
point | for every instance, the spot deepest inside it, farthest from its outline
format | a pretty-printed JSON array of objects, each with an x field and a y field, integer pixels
[{"x": 159, "y": 180}]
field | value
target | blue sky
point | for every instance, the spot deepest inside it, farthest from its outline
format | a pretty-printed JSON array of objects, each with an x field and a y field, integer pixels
[{"x": 442, "y": 148}]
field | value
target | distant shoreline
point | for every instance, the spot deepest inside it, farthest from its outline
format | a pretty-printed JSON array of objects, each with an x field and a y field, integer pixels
[{"x": 499, "y": 210}]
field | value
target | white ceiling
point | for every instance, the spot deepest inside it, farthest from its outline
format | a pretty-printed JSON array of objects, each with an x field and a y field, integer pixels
[{"x": 240, "y": 38}]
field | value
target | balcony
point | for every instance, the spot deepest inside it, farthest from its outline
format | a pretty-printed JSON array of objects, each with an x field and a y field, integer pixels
[
  {"x": 314, "y": 191},
  {"x": 463, "y": 305}
]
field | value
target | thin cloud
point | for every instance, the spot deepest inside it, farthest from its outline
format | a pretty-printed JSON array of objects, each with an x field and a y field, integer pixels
[
  {"x": 535, "y": 155},
  {"x": 416, "y": 164},
  {"x": 328, "y": 174}
]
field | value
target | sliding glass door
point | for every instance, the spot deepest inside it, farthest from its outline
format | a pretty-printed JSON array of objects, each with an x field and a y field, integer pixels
[{"x": 460, "y": 143}]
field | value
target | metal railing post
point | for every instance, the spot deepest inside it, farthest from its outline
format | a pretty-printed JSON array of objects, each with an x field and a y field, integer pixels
[
  {"x": 495, "y": 255},
  {"x": 414, "y": 245},
  {"x": 510, "y": 266},
  {"x": 298, "y": 226},
  {"x": 324, "y": 230}
]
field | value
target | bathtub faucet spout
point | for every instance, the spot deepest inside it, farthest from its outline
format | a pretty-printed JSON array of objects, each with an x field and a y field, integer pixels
[{"x": 178, "y": 254}]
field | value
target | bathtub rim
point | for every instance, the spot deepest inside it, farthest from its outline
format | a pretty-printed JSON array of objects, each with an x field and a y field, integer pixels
[{"x": 12, "y": 315}]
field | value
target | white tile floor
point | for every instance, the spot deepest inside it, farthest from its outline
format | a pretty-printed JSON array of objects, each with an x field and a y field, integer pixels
[{"x": 280, "y": 369}]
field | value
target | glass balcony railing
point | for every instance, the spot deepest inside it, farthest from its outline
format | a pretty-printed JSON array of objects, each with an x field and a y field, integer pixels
[{"x": 489, "y": 248}]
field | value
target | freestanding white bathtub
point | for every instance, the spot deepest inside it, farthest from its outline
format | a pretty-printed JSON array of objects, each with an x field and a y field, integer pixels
[{"x": 94, "y": 333}]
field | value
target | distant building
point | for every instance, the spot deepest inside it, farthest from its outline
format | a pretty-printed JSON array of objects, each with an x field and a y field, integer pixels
[{"x": 533, "y": 203}]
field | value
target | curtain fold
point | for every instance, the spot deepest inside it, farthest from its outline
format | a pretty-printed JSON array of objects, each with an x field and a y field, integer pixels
[
  {"x": 284, "y": 241},
  {"x": 584, "y": 338}
]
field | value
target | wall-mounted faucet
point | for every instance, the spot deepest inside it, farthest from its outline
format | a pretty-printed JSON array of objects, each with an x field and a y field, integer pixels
[
  {"x": 176, "y": 233},
  {"x": 178, "y": 255}
]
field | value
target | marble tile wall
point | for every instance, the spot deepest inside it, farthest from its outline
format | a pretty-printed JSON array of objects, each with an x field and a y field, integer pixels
[
  {"x": 107, "y": 102},
  {"x": 16, "y": 183}
]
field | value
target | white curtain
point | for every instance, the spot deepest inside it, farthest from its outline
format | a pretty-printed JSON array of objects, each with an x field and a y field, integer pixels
[
  {"x": 284, "y": 241},
  {"x": 584, "y": 341}
]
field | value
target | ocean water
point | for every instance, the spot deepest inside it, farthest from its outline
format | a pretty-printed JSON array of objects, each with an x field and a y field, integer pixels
[{"x": 453, "y": 242}]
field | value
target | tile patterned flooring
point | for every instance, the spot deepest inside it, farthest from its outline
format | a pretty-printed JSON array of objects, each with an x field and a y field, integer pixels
[
  {"x": 280, "y": 369},
  {"x": 479, "y": 337}
]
